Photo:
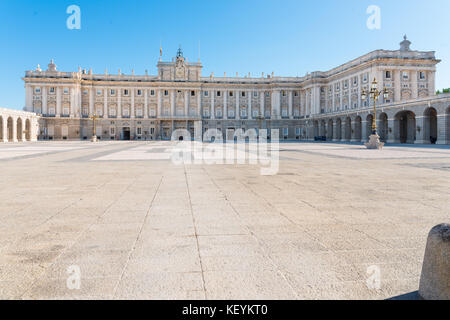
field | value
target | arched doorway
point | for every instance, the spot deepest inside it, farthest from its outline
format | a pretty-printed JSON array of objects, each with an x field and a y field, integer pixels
[
  {"x": 19, "y": 133},
  {"x": 358, "y": 128},
  {"x": 447, "y": 124},
  {"x": 369, "y": 123},
  {"x": 405, "y": 127},
  {"x": 430, "y": 126},
  {"x": 383, "y": 127},
  {"x": 10, "y": 132},
  {"x": 28, "y": 130},
  {"x": 338, "y": 129},
  {"x": 348, "y": 129},
  {"x": 330, "y": 130}
]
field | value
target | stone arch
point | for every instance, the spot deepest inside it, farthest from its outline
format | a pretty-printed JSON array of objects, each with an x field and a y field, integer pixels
[
  {"x": 369, "y": 123},
  {"x": 330, "y": 130},
  {"x": 10, "y": 129},
  {"x": 358, "y": 129},
  {"x": 27, "y": 130},
  {"x": 383, "y": 127},
  {"x": 348, "y": 129},
  {"x": 447, "y": 125},
  {"x": 19, "y": 131},
  {"x": 338, "y": 129},
  {"x": 405, "y": 127},
  {"x": 430, "y": 130}
]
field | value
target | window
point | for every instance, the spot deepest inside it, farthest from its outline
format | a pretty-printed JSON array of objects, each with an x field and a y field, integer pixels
[
  {"x": 152, "y": 92},
  {"x": 283, "y": 93},
  {"x": 152, "y": 130},
  {"x": 139, "y": 112},
  {"x": 192, "y": 93},
  {"x": 255, "y": 113},
  {"x": 231, "y": 93},
  {"x": 99, "y": 92},
  {"x": 206, "y": 112},
  {"x": 126, "y": 92},
  {"x": 365, "y": 77},
  {"x": 66, "y": 110},
  {"x": 139, "y": 92},
  {"x": 243, "y": 94},
  {"x": 66, "y": 90},
  {"x": 37, "y": 90},
  {"x": 206, "y": 93},
  {"x": 85, "y": 91},
  {"x": 255, "y": 94},
  {"x": 388, "y": 75},
  {"x": 139, "y": 131},
  {"x": 99, "y": 111},
  {"x": 285, "y": 132},
  {"x": 126, "y": 112},
  {"x": 166, "y": 92},
  {"x": 113, "y": 92},
  {"x": 422, "y": 75},
  {"x": 405, "y": 75},
  {"x": 267, "y": 94},
  {"x": 52, "y": 89},
  {"x": 112, "y": 131},
  {"x": 152, "y": 112},
  {"x": 112, "y": 112},
  {"x": 218, "y": 93},
  {"x": 297, "y": 131},
  {"x": 295, "y": 93}
]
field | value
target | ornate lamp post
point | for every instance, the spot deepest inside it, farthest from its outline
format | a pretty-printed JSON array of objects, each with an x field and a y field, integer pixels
[
  {"x": 374, "y": 93},
  {"x": 94, "y": 133}
]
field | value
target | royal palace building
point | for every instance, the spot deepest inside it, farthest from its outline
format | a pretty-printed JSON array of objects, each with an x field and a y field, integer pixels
[{"x": 321, "y": 104}]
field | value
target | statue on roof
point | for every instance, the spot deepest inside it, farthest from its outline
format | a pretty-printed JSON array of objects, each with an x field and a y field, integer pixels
[{"x": 405, "y": 44}]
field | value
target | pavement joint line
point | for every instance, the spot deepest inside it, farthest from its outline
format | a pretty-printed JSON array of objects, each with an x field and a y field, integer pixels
[
  {"x": 254, "y": 236},
  {"x": 138, "y": 236},
  {"x": 205, "y": 292},
  {"x": 39, "y": 278}
]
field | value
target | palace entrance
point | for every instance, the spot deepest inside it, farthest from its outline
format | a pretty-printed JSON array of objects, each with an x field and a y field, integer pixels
[{"x": 126, "y": 133}]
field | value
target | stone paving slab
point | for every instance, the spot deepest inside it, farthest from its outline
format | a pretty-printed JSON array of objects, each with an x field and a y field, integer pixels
[{"x": 140, "y": 227}]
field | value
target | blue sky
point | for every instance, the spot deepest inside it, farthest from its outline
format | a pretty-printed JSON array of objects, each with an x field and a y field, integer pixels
[{"x": 289, "y": 37}]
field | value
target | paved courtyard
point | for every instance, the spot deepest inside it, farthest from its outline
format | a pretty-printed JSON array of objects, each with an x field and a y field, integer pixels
[{"x": 124, "y": 222}]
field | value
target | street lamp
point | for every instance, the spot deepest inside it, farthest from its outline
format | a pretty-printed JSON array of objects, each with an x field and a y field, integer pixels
[
  {"x": 374, "y": 93},
  {"x": 94, "y": 133}
]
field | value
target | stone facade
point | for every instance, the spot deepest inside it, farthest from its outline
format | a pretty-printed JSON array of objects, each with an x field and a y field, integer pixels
[
  {"x": 18, "y": 126},
  {"x": 150, "y": 107}
]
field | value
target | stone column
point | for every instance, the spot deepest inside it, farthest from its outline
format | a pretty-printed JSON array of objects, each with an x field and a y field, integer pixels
[
  {"x": 119, "y": 103},
  {"x": 238, "y": 106},
  {"x": 199, "y": 103},
  {"x": 34, "y": 128},
  {"x": 186, "y": 103},
  {"x": 391, "y": 132},
  {"x": 14, "y": 130},
  {"x": 290, "y": 104},
  {"x": 364, "y": 137},
  {"x": 172, "y": 103},
  {"x": 261, "y": 103},
  {"x": 91, "y": 101},
  {"x": 335, "y": 131},
  {"x": 213, "y": 107},
  {"x": 158, "y": 97},
  {"x": 414, "y": 86},
  {"x": 72, "y": 102},
  {"x": 397, "y": 85},
  {"x": 225, "y": 104},
  {"x": 249, "y": 111},
  {"x": 133, "y": 107},
  {"x": 58, "y": 101},
  {"x": 44, "y": 100},
  {"x": 146, "y": 104},
  {"x": 441, "y": 129},
  {"x": 276, "y": 104},
  {"x": 421, "y": 136},
  {"x": 105, "y": 103}
]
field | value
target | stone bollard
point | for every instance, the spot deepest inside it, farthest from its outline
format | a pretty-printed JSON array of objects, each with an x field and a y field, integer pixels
[{"x": 435, "y": 279}]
